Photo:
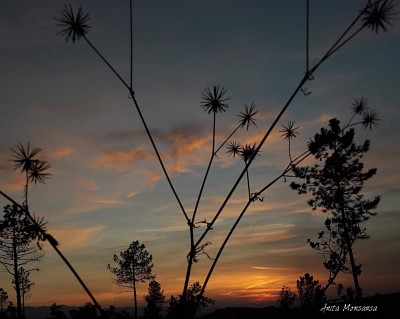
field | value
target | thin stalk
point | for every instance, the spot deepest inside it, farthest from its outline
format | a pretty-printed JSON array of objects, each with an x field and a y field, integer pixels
[
  {"x": 227, "y": 139},
  {"x": 107, "y": 63},
  {"x": 190, "y": 264},
  {"x": 336, "y": 46},
  {"x": 248, "y": 183},
  {"x": 159, "y": 158},
  {"x": 207, "y": 171},
  {"x": 307, "y": 35},
  {"x": 131, "y": 38},
  {"x": 192, "y": 221},
  {"x": 214, "y": 153},
  {"x": 191, "y": 224},
  {"x": 144, "y": 124}
]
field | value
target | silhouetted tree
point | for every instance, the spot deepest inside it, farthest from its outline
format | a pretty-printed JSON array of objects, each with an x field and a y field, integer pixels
[
  {"x": 113, "y": 313},
  {"x": 88, "y": 311},
  {"x": 286, "y": 298},
  {"x": 155, "y": 299},
  {"x": 16, "y": 246},
  {"x": 3, "y": 300},
  {"x": 195, "y": 300},
  {"x": 16, "y": 229},
  {"x": 310, "y": 292},
  {"x": 336, "y": 187},
  {"x": 56, "y": 313},
  {"x": 133, "y": 266},
  {"x": 25, "y": 286}
]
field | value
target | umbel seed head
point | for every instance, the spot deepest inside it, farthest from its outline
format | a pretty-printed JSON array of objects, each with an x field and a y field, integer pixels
[{"x": 74, "y": 26}]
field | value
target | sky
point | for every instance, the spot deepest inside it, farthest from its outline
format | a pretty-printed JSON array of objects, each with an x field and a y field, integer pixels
[{"x": 107, "y": 187}]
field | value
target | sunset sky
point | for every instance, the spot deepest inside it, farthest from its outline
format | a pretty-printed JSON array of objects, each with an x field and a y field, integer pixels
[{"x": 107, "y": 187}]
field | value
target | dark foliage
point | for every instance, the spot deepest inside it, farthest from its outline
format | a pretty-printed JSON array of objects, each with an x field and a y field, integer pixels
[{"x": 179, "y": 308}]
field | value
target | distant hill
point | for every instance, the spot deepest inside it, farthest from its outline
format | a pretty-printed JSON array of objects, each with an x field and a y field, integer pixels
[
  {"x": 43, "y": 312},
  {"x": 386, "y": 306}
]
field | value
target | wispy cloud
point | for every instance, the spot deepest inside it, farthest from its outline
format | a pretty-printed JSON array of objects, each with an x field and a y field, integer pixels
[
  {"x": 120, "y": 161},
  {"x": 71, "y": 238}
]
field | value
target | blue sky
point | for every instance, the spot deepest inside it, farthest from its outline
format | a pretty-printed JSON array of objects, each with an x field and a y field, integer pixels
[{"x": 106, "y": 188}]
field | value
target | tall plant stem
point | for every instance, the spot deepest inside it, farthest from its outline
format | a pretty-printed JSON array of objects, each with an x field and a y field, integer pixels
[
  {"x": 191, "y": 224},
  {"x": 208, "y": 170},
  {"x": 131, "y": 38},
  {"x": 53, "y": 244},
  {"x": 307, "y": 35},
  {"x": 206, "y": 174},
  {"x": 145, "y": 126},
  {"x": 192, "y": 221},
  {"x": 248, "y": 183}
]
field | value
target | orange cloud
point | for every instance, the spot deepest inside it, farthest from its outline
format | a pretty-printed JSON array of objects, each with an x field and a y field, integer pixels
[
  {"x": 121, "y": 160},
  {"x": 187, "y": 151},
  {"x": 61, "y": 152}
]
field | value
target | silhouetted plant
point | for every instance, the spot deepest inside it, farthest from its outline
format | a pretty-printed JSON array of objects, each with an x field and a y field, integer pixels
[
  {"x": 154, "y": 301},
  {"x": 88, "y": 311},
  {"x": 375, "y": 15},
  {"x": 195, "y": 300},
  {"x": 3, "y": 300},
  {"x": 310, "y": 292},
  {"x": 25, "y": 286},
  {"x": 133, "y": 266},
  {"x": 378, "y": 15},
  {"x": 113, "y": 313},
  {"x": 35, "y": 170},
  {"x": 16, "y": 249},
  {"x": 336, "y": 188},
  {"x": 56, "y": 313},
  {"x": 289, "y": 132},
  {"x": 286, "y": 298}
]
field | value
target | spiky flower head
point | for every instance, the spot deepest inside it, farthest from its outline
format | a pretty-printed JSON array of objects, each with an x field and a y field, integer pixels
[
  {"x": 378, "y": 15},
  {"x": 234, "y": 149},
  {"x": 371, "y": 119},
  {"x": 74, "y": 26},
  {"x": 38, "y": 172},
  {"x": 24, "y": 157},
  {"x": 35, "y": 169},
  {"x": 248, "y": 151},
  {"x": 360, "y": 106},
  {"x": 213, "y": 100},
  {"x": 247, "y": 118},
  {"x": 289, "y": 131}
]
